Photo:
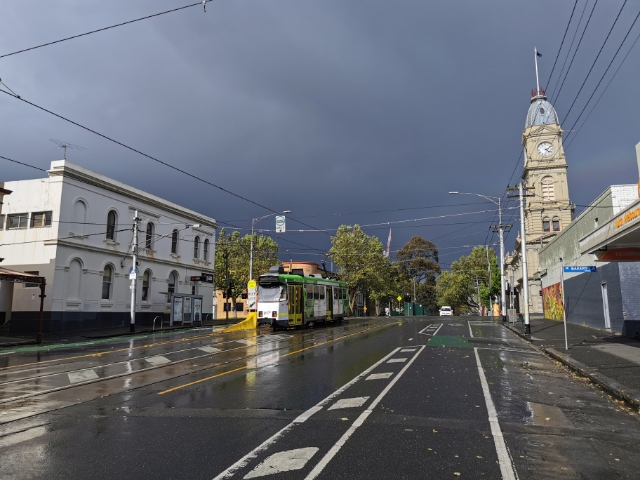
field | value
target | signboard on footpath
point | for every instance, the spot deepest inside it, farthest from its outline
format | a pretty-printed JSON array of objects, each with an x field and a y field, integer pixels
[{"x": 252, "y": 290}]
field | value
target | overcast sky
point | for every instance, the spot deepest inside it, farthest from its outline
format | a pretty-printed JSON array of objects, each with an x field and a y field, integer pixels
[{"x": 320, "y": 107}]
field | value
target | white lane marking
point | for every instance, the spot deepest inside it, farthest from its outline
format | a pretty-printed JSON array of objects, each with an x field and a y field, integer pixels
[
  {"x": 470, "y": 332},
  {"x": 379, "y": 376},
  {"x": 209, "y": 349},
  {"x": 359, "y": 421},
  {"x": 433, "y": 329},
  {"x": 349, "y": 403},
  {"x": 506, "y": 464},
  {"x": 157, "y": 360},
  {"x": 247, "y": 341},
  {"x": 82, "y": 375},
  {"x": 410, "y": 339},
  {"x": 301, "y": 419},
  {"x": 397, "y": 360},
  {"x": 283, "y": 462},
  {"x": 405, "y": 350},
  {"x": 23, "y": 436}
]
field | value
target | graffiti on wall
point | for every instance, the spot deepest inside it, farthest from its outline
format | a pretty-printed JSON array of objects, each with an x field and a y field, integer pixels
[{"x": 552, "y": 300}]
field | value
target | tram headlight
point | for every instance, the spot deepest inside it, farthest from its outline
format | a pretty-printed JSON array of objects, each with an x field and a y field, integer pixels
[
  {"x": 274, "y": 314},
  {"x": 260, "y": 314}
]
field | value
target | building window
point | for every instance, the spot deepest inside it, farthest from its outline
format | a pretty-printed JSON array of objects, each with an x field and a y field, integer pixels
[
  {"x": 545, "y": 225},
  {"x": 173, "y": 282},
  {"x": 32, "y": 285},
  {"x": 17, "y": 220},
  {"x": 146, "y": 286},
  {"x": 548, "y": 193},
  {"x": 556, "y": 224},
  {"x": 205, "y": 250},
  {"x": 40, "y": 219},
  {"x": 107, "y": 280},
  {"x": 174, "y": 242},
  {"x": 196, "y": 247},
  {"x": 149, "y": 237},
  {"x": 112, "y": 218},
  {"x": 1, "y": 222}
]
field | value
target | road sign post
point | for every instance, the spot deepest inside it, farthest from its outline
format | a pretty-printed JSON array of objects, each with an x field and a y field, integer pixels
[{"x": 252, "y": 290}]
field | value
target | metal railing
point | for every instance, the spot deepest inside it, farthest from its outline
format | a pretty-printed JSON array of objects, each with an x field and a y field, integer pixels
[{"x": 153, "y": 329}]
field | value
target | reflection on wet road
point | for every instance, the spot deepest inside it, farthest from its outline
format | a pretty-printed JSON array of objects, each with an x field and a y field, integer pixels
[{"x": 381, "y": 398}]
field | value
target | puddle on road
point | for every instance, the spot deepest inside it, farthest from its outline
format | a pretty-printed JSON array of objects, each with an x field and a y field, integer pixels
[{"x": 546, "y": 415}]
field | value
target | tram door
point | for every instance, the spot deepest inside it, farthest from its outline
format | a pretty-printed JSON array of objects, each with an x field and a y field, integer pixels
[
  {"x": 329, "y": 303},
  {"x": 295, "y": 304}
]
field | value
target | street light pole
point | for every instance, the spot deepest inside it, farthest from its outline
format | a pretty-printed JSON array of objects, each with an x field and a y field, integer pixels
[
  {"x": 523, "y": 253},
  {"x": 500, "y": 228},
  {"x": 253, "y": 222}
]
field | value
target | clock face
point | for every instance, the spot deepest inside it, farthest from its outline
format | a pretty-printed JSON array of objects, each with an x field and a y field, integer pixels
[{"x": 545, "y": 149}]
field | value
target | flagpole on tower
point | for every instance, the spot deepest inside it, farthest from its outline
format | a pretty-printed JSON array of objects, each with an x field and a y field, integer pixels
[{"x": 535, "y": 56}]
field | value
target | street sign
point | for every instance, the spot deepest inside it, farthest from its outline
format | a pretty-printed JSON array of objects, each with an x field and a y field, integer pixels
[
  {"x": 132, "y": 276},
  {"x": 205, "y": 277},
  {"x": 281, "y": 224},
  {"x": 251, "y": 295},
  {"x": 575, "y": 269},
  {"x": 133, "y": 270},
  {"x": 399, "y": 298}
]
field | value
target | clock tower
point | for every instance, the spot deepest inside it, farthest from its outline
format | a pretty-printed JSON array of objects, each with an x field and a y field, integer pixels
[{"x": 548, "y": 208}]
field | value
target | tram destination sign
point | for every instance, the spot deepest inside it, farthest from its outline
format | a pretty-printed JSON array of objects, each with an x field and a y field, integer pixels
[{"x": 574, "y": 269}]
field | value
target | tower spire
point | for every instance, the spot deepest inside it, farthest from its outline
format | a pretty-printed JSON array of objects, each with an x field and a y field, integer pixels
[{"x": 535, "y": 57}]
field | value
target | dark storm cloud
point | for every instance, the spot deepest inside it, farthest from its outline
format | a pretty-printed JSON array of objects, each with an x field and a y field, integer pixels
[{"x": 318, "y": 107}]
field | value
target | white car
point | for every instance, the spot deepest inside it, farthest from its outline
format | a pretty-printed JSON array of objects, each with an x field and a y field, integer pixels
[{"x": 446, "y": 311}]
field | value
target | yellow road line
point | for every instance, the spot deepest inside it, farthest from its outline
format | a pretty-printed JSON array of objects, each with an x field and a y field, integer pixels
[{"x": 246, "y": 367}]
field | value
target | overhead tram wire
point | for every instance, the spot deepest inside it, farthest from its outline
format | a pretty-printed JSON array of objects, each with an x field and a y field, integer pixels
[
  {"x": 596, "y": 59},
  {"x": 562, "y": 42},
  {"x": 201, "y": 3},
  {"x": 573, "y": 39},
  {"x": 21, "y": 163},
  {"x": 576, "y": 50},
  {"x": 154, "y": 158},
  {"x": 605, "y": 73},
  {"x": 603, "y": 92}
]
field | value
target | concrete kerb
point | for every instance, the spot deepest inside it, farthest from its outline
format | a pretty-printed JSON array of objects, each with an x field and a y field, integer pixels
[{"x": 617, "y": 390}]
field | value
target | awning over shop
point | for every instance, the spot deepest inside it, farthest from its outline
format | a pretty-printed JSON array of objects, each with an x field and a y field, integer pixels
[
  {"x": 19, "y": 277},
  {"x": 617, "y": 240}
]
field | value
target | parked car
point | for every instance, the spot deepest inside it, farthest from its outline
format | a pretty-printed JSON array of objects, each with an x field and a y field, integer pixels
[{"x": 446, "y": 311}]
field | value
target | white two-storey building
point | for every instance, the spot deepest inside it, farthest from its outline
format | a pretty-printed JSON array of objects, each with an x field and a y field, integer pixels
[{"x": 75, "y": 228}]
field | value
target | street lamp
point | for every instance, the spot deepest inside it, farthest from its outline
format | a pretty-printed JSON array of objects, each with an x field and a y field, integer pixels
[
  {"x": 253, "y": 222},
  {"x": 497, "y": 201}
]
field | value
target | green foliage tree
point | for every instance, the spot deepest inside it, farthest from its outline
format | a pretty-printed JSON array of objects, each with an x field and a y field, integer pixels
[
  {"x": 418, "y": 260},
  {"x": 233, "y": 250},
  {"x": 458, "y": 289},
  {"x": 360, "y": 262}
]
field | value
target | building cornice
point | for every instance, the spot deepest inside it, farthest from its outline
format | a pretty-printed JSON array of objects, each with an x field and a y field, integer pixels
[{"x": 65, "y": 169}]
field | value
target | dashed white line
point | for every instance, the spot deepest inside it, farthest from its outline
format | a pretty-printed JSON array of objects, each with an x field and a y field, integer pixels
[
  {"x": 379, "y": 376},
  {"x": 301, "y": 419},
  {"x": 209, "y": 349},
  {"x": 349, "y": 403},
  {"x": 397, "y": 360},
  {"x": 359, "y": 421},
  {"x": 504, "y": 459},
  {"x": 283, "y": 462},
  {"x": 82, "y": 376},
  {"x": 157, "y": 360},
  {"x": 406, "y": 350},
  {"x": 470, "y": 332}
]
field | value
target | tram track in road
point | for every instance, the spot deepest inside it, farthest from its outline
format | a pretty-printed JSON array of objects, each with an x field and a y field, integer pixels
[{"x": 308, "y": 341}]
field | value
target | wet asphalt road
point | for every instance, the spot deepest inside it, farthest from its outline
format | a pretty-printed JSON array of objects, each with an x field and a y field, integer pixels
[{"x": 381, "y": 398}]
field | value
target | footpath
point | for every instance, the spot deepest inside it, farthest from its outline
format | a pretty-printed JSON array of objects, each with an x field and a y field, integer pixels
[{"x": 607, "y": 359}]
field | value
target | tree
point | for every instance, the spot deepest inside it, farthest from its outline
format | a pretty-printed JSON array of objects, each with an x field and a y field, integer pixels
[
  {"x": 359, "y": 259},
  {"x": 470, "y": 284},
  {"x": 233, "y": 250},
  {"x": 418, "y": 260}
]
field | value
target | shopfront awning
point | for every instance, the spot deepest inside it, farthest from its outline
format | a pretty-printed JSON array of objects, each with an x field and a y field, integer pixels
[{"x": 617, "y": 240}]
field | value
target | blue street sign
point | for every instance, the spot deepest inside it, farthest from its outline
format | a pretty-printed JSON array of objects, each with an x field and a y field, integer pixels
[{"x": 579, "y": 269}]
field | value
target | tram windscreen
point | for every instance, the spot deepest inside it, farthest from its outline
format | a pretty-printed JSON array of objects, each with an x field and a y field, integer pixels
[{"x": 272, "y": 293}]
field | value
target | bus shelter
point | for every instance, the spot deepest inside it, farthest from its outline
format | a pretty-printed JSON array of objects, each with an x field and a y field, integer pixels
[{"x": 186, "y": 309}]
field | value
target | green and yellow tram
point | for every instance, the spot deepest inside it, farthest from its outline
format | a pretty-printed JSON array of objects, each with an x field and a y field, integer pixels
[{"x": 286, "y": 300}]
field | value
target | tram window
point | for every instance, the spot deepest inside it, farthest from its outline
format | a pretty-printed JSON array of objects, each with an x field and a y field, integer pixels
[
  {"x": 321, "y": 292},
  {"x": 316, "y": 292},
  {"x": 283, "y": 294}
]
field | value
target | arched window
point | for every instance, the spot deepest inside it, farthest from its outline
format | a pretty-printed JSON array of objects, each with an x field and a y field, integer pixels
[
  {"x": 112, "y": 219},
  {"x": 107, "y": 281},
  {"x": 172, "y": 285},
  {"x": 546, "y": 227},
  {"x": 205, "y": 250},
  {"x": 556, "y": 224},
  {"x": 79, "y": 217},
  {"x": 74, "y": 280},
  {"x": 548, "y": 193},
  {"x": 196, "y": 247},
  {"x": 146, "y": 286},
  {"x": 149, "y": 237},
  {"x": 174, "y": 242}
]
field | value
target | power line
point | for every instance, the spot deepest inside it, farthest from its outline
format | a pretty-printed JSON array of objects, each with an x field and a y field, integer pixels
[
  {"x": 562, "y": 43},
  {"x": 594, "y": 62},
  {"x": 203, "y": 2},
  {"x": 21, "y": 163}
]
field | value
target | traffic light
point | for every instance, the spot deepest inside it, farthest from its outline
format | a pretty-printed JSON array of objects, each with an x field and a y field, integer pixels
[{"x": 407, "y": 298}]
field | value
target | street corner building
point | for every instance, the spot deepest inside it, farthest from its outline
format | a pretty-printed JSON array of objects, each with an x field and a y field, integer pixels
[
  {"x": 605, "y": 235},
  {"x": 75, "y": 229}
]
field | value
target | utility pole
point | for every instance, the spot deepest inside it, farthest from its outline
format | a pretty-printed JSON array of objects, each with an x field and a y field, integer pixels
[
  {"x": 226, "y": 288},
  {"x": 134, "y": 272},
  {"x": 564, "y": 305},
  {"x": 500, "y": 228}
]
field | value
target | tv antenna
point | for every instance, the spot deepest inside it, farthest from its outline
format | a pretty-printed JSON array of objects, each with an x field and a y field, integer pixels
[{"x": 65, "y": 145}]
